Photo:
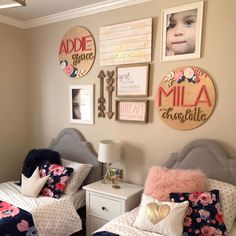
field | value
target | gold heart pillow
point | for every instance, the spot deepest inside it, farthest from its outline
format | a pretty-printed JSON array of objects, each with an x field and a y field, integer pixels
[{"x": 165, "y": 218}]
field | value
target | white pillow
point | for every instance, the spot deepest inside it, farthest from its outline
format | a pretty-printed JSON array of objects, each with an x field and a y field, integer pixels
[
  {"x": 165, "y": 218},
  {"x": 227, "y": 200},
  {"x": 81, "y": 171},
  {"x": 32, "y": 186}
]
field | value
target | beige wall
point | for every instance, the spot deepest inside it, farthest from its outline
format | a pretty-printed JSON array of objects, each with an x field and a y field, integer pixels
[
  {"x": 143, "y": 144},
  {"x": 14, "y": 101}
]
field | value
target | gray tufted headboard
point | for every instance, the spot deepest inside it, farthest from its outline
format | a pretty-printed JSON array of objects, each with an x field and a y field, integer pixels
[
  {"x": 207, "y": 155},
  {"x": 71, "y": 145}
]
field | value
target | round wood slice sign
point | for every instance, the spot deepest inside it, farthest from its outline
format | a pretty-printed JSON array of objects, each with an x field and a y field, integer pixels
[
  {"x": 185, "y": 98},
  {"x": 77, "y": 52}
]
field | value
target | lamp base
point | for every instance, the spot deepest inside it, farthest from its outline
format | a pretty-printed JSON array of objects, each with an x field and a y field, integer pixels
[
  {"x": 116, "y": 186},
  {"x": 106, "y": 177}
]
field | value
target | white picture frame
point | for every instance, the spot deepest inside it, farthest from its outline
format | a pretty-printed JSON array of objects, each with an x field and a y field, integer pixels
[
  {"x": 81, "y": 104},
  {"x": 132, "y": 110},
  {"x": 178, "y": 44},
  {"x": 132, "y": 80}
]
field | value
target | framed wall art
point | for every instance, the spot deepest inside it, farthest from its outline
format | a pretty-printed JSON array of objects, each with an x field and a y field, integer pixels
[
  {"x": 132, "y": 81},
  {"x": 126, "y": 43},
  {"x": 81, "y": 102},
  {"x": 132, "y": 110},
  {"x": 182, "y": 32}
]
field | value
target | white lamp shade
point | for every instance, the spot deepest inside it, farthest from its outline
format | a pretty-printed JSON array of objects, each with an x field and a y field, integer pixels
[{"x": 109, "y": 151}]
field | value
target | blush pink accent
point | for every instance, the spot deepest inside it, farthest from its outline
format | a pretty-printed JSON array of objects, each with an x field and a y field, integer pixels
[
  {"x": 161, "y": 181},
  {"x": 23, "y": 226}
]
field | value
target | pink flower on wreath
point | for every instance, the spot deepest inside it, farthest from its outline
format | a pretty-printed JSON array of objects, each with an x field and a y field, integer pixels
[
  {"x": 69, "y": 69},
  {"x": 205, "y": 199},
  {"x": 56, "y": 169},
  {"x": 210, "y": 231},
  {"x": 193, "y": 197},
  {"x": 178, "y": 75},
  {"x": 187, "y": 221},
  {"x": 10, "y": 212}
]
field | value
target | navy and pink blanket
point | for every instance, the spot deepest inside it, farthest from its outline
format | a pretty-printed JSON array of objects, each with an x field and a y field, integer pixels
[{"x": 15, "y": 221}]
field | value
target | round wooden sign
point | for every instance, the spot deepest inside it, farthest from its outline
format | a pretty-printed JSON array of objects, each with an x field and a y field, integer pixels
[
  {"x": 185, "y": 98},
  {"x": 77, "y": 52}
]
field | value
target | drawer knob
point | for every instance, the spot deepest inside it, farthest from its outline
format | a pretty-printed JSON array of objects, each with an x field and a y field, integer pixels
[{"x": 104, "y": 208}]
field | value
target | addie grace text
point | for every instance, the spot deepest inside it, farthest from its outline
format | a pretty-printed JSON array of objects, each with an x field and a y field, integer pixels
[{"x": 79, "y": 46}]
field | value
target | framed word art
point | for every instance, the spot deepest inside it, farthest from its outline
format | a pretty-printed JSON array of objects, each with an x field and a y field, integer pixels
[
  {"x": 77, "y": 52},
  {"x": 132, "y": 110},
  {"x": 126, "y": 43},
  {"x": 185, "y": 98},
  {"x": 132, "y": 81},
  {"x": 81, "y": 103},
  {"x": 182, "y": 32}
]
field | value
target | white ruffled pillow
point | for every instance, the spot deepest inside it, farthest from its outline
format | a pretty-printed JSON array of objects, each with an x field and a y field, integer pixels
[
  {"x": 81, "y": 171},
  {"x": 227, "y": 200},
  {"x": 161, "y": 217}
]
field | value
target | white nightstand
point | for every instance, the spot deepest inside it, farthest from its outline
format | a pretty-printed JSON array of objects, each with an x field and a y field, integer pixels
[{"x": 103, "y": 203}]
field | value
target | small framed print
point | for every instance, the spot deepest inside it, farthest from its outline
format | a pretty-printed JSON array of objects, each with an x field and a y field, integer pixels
[
  {"x": 132, "y": 81},
  {"x": 81, "y": 102},
  {"x": 182, "y": 32},
  {"x": 132, "y": 110}
]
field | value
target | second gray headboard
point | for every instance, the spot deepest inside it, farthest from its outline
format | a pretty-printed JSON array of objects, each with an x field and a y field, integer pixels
[{"x": 207, "y": 155}]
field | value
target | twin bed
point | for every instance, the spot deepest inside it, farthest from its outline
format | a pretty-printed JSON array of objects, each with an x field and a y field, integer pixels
[
  {"x": 43, "y": 215},
  {"x": 206, "y": 155}
]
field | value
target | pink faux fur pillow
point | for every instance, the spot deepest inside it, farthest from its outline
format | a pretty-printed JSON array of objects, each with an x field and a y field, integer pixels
[{"x": 161, "y": 182}]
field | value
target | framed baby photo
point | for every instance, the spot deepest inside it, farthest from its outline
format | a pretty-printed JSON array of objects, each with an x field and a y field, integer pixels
[
  {"x": 81, "y": 103},
  {"x": 182, "y": 32}
]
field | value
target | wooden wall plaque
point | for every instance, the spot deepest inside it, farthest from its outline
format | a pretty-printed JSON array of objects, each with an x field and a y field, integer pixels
[
  {"x": 77, "y": 52},
  {"x": 126, "y": 43},
  {"x": 185, "y": 98}
]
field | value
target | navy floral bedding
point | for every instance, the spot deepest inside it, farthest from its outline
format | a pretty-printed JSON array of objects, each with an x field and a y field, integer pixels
[{"x": 15, "y": 221}]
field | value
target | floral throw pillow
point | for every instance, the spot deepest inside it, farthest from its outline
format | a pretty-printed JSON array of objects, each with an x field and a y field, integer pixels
[
  {"x": 204, "y": 216},
  {"x": 56, "y": 184}
]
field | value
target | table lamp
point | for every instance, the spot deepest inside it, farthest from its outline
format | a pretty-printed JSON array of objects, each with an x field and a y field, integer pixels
[{"x": 109, "y": 152}]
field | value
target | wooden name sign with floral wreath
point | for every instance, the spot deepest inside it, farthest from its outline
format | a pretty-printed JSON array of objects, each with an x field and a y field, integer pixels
[
  {"x": 185, "y": 98},
  {"x": 77, "y": 52}
]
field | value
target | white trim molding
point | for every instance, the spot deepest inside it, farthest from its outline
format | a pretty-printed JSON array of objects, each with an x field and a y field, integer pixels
[
  {"x": 11, "y": 21},
  {"x": 91, "y": 9}
]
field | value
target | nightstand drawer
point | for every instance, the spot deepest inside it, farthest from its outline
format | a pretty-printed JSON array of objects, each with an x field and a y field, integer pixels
[{"x": 103, "y": 207}]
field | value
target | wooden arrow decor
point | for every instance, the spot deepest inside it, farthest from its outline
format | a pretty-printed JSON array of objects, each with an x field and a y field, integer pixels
[
  {"x": 101, "y": 99},
  {"x": 110, "y": 89}
]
